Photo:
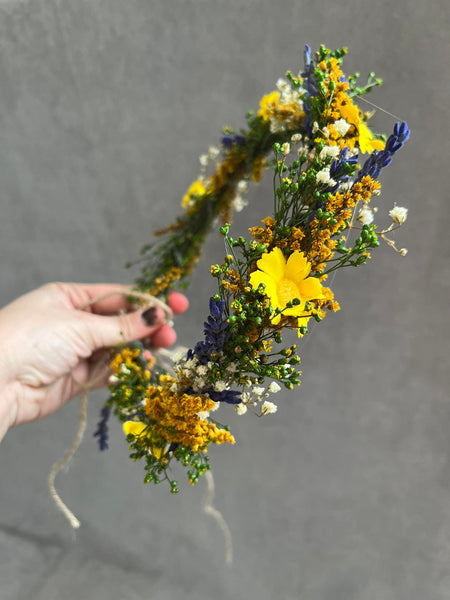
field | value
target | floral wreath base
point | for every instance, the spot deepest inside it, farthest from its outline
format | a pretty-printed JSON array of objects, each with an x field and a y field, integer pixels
[{"x": 270, "y": 283}]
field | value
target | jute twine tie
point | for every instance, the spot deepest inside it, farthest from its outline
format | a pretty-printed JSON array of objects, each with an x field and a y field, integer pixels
[{"x": 149, "y": 301}]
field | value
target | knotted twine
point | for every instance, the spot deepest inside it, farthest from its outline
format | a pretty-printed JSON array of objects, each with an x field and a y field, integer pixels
[{"x": 149, "y": 301}]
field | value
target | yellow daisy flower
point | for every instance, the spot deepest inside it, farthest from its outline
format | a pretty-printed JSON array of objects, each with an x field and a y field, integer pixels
[
  {"x": 137, "y": 428},
  {"x": 286, "y": 280}
]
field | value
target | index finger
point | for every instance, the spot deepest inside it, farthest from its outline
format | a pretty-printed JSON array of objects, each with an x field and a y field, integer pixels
[{"x": 106, "y": 298}]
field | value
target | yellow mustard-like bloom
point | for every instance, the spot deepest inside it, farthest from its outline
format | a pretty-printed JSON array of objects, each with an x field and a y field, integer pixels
[
  {"x": 286, "y": 280},
  {"x": 175, "y": 419}
]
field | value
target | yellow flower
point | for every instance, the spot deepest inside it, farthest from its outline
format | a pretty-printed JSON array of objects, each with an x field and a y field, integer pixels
[
  {"x": 137, "y": 428},
  {"x": 197, "y": 189},
  {"x": 286, "y": 280},
  {"x": 267, "y": 104},
  {"x": 367, "y": 141}
]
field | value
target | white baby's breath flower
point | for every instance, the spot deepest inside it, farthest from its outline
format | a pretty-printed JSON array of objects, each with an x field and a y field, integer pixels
[
  {"x": 177, "y": 357},
  {"x": 203, "y": 415},
  {"x": 268, "y": 408},
  {"x": 220, "y": 386},
  {"x": 202, "y": 370},
  {"x": 315, "y": 127},
  {"x": 239, "y": 203},
  {"x": 231, "y": 367},
  {"x": 286, "y": 148},
  {"x": 245, "y": 397},
  {"x": 323, "y": 176},
  {"x": 403, "y": 251},
  {"x": 296, "y": 138},
  {"x": 174, "y": 388},
  {"x": 241, "y": 409},
  {"x": 215, "y": 407},
  {"x": 283, "y": 85},
  {"x": 113, "y": 379},
  {"x": 203, "y": 160},
  {"x": 242, "y": 186},
  {"x": 332, "y": 151},
  {"x": 190, "y": 364},
  {"x": 274, "y": 387},
  {"x": 341, "y": 126},
  {"x": 213, "y": 152},
  {"x": 124, "y": 369},
  {"x": 365, "y": 215},
  {"x": 398, "y": 214},
  {"x": 199, "y": 383},
  {"x": 258, "y": 391}
]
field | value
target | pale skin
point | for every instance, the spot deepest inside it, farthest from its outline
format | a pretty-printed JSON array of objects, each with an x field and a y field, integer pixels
[{"x": 51, "y": 347}]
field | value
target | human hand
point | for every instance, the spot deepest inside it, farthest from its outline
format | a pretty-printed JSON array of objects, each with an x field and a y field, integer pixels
[{"x": 50, "y": 348}]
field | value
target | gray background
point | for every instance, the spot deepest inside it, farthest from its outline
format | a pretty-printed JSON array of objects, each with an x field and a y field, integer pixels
[{"x": 345, "y": 493}]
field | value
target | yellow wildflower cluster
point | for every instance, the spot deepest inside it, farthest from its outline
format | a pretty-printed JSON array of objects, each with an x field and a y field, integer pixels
[
  {"x": 197, "y": 190},
  {"x": 166, "y": 281},
  {"x": 126, "y": 358},
  {"x": 175, "y": 417},
  {"x": 341, "y": 205},
  {"x": 288, "y": 114},
  {"x": 341, "y": 106},
  {"x": 265, "y": 235}
]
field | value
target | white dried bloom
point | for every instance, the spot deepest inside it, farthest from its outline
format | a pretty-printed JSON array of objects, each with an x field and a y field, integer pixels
[
  {"x": 398, "y": 214},
  {"x": 199, "y": 382},
  {"x": 213, "y": 152},
  {"x": 203, "y": 160},
  {"x": 202, "y": 370},
  {"x": 296, "y": 138},
  {"x": 341, "y": 126},
  {"x": 283, "y": 85},
  {"x": 124, "y": 369},
  {"x": 220, "y": 386},
  {"x": 239, "y": 203},
  {"x": 323, "y": 176},
  {"x": 365, "y": 215},
  {"x": 190, "y": 364},
  {"x": 242, "y": 186},
  {"x": 332, "y": 151},
  {"x": 113, "y": 379},
  {"x": 268, "y": 408},
  {"x": 258, "y": 391},
  {"x": 275, "y": 125},
  {"x": 315, "y": 127},
  {"x": 274, "y": 387},
  {"x": 286, "y": 148},
  {"x": 241, "y": 409},
  {"x": 215, "y": 407},
  {"x": 231, "y": 367},
  {"x": 177, "y": 356},
  {"x": 203, "y": 415},
  {"x": 403, "y": 251},
  {"x": 174, "y": 388}
]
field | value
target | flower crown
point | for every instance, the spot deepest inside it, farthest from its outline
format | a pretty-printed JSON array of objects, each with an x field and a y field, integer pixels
[{"x": 270, "y": 283}]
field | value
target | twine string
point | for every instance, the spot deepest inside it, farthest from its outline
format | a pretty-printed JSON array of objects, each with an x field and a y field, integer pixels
[{"x": 217, "y": 515}]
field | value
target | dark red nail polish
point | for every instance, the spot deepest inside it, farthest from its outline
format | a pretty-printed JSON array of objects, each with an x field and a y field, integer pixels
[{"x": 150, "y": 316}]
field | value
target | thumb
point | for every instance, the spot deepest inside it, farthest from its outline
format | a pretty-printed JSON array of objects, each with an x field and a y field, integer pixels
[{"x": 107, "y": 331}]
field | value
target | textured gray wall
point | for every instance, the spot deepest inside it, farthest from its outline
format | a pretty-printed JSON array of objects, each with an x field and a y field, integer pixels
[{"x": 104, "y": 109}]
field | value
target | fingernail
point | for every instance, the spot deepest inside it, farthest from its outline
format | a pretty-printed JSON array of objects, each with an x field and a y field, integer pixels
[{"x": 151, "y": 316}]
